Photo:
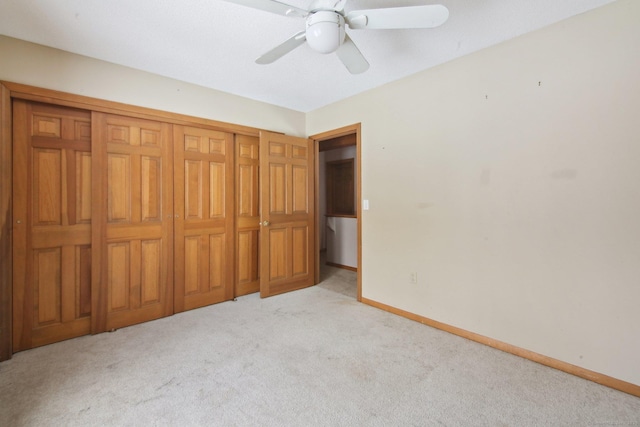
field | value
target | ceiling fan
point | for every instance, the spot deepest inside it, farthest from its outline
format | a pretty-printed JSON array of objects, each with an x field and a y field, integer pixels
[{"x": 325, "y": 26}]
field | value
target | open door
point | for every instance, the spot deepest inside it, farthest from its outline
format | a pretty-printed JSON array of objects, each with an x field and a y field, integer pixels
[{"x": 287, "y": 213}]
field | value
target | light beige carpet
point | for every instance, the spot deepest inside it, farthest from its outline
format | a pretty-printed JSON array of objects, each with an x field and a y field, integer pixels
[{"x": 311, "y": 357}]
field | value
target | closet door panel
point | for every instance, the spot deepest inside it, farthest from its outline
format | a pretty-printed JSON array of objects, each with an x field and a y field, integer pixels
[
  {"x": 203, "y": 217},
  {"x": 119, "y": 190},
  {"x": 52, "y": 240},
  {"x": 247, "y": 160},
  {"x": 133, "y": 209}
]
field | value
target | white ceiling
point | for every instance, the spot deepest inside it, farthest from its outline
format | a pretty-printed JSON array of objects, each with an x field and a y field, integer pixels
[{"x": 213, "y": 43}]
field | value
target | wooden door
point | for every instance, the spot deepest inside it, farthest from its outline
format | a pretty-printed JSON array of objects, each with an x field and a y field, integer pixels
[
  {"x": 133, "y": 221},
  {"x": 287, "y": 237},
  {"x": 52, "y": 224},
  {"x": 247, "y": 215},
  {"x": 203, "y": 187}
]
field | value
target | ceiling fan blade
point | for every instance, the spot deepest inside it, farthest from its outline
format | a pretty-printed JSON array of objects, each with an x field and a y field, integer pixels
[
  {"x": 351, "y": 57},
  {"x": 282, "y": 49},
  {"x": 339, "y": 5},
  {"x": 272, "y": 6},
  {"x": 335, "y": 5},
  {"x": 428, "y": 16}
]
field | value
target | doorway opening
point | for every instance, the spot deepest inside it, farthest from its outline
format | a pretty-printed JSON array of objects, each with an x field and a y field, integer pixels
[{"x": 338, "y": 201}]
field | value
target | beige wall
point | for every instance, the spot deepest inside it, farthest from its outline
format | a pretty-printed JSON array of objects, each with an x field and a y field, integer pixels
[
  {"x": 36, "y": 65},
  {"x": 509, "y": 180}
]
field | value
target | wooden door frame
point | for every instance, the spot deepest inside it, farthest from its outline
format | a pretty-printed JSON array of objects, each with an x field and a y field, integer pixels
[
  {"x": 332, "y": 134},
  {"x": 6, "y": 260}
]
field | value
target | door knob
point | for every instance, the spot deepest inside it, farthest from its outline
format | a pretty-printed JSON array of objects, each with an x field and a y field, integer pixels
[{"x": 265, "y": 223}]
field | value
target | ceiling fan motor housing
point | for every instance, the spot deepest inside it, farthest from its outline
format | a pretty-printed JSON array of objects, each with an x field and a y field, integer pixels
[{"x": 325, "y": 31}]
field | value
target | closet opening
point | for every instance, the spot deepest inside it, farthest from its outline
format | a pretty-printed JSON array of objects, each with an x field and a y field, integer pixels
[{"x": 339, "y": 209}]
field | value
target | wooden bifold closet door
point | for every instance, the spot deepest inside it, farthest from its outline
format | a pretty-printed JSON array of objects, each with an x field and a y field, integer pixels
[
  {"x": 204, "y": 239},
  {"x": 133, "y": 221},
  {"x": 164, "y": 219},
  {"x": 52, "y": 224},
  {"x": 120, "y": 220},
  {"x": 247, "y": 215}
]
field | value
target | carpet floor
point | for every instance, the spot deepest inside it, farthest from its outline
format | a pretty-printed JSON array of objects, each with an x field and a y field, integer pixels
[{"x": 314, "y": 357}]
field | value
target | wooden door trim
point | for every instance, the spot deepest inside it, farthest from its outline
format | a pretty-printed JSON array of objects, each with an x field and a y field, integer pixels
[
  {"x": 48, "y": 96},
  {"x": 6, "y": 261},
  {"x": 332, "y": 134}
]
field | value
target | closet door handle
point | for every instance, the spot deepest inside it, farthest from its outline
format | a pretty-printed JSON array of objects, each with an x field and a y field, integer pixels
[{"x": 265, "y": 223}]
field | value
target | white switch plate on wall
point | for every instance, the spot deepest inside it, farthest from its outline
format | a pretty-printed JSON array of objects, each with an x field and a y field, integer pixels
[{"x": 365, "y": 205}]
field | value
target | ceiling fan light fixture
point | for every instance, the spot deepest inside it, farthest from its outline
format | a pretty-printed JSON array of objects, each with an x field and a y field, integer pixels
[
  {"x": 326, "y": 21},
  {"x": 325, "y": 31}
]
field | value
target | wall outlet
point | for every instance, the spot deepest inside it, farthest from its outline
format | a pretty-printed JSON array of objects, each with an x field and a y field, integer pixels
[{"x": 413, "y": 278}]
